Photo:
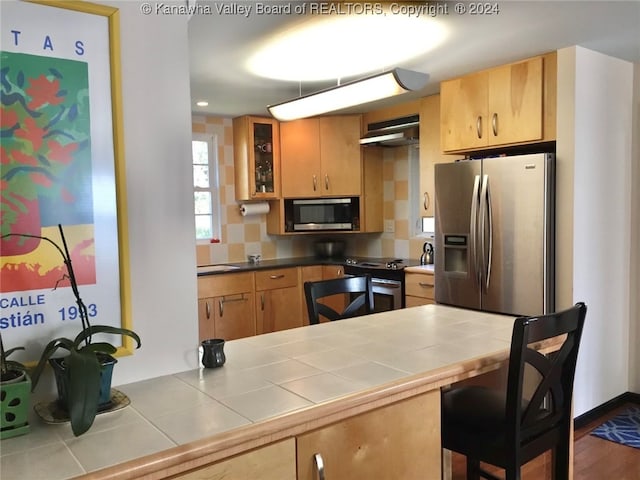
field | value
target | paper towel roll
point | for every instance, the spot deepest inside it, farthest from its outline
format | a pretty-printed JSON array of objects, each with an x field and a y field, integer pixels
[{"x": 254, "y": 208}]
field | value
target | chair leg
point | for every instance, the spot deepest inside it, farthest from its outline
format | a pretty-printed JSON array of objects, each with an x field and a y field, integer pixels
[
  {"x": 512, "y": 473},
  {"x": 560, "y": 461},
  {"x": 473, "y": 469}
]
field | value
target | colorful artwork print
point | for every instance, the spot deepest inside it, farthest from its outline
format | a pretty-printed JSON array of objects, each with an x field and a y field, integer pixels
[{"x": 45, "y": 170}]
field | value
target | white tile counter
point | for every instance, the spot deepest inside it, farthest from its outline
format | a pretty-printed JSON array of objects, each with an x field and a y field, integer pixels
[{"x": 265, "y": 378}]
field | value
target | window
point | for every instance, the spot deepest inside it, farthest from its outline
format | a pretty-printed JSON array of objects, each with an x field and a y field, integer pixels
[{"x": 205, "y": 187}]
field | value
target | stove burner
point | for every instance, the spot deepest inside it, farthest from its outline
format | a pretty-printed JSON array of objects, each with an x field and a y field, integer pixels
[{"x": 396, "y": 264}]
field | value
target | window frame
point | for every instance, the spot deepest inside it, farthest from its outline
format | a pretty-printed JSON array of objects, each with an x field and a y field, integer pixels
[{"x": 214, "y": 185}]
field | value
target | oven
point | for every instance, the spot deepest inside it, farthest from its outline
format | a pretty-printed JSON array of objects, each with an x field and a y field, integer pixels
[{"x": 387, "y": 281}]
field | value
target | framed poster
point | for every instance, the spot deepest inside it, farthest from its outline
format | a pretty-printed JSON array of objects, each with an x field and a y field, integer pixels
[{"x": 61, "y": 163}]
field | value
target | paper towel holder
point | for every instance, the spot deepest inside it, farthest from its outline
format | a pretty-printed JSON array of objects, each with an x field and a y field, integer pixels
[{"x": 258, "y": 208}]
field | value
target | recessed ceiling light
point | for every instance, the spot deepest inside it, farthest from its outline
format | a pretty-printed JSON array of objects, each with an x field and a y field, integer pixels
[
  {"x": 202, "y": 103},
  {"x": 323, "y": 48}
]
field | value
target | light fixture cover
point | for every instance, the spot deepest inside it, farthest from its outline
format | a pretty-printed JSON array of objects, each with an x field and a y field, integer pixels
[{"x": 358, "y": 92}]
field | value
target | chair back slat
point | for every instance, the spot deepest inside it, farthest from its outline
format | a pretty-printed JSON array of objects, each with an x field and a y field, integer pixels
[
  {"x": 361, "y": 303},
  {"x": 550, "y": 402}
]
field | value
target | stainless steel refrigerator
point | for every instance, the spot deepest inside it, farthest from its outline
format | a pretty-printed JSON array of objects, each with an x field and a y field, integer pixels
[{"x": 494, "y": 235}]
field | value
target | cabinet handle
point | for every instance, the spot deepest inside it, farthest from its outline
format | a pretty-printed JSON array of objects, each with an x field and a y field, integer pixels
[
  {"x": 427, "y": 201},
  {"x": 262, "y": 301},
  {"x": 317, "y": 459},
  {"x": 425, "y": 284},
  {"x": 479, "y": 126},
  {"x": 494, "y": 124},
  {"x": 326, "y": 182},
  {"x": 207, "y": 310},
  {"x": 276, "y": 277},
  {"x": 315, "y": 183},
  {"x": 223, "y": 300},
  {"x": 339, "y": 272}
]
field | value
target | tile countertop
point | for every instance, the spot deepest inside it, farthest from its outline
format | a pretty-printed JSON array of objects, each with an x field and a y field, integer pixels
[
  {"x": 296, "y": 262},
  {"x": 267, "y": 377},
  {"x": 428, "y": 269}
]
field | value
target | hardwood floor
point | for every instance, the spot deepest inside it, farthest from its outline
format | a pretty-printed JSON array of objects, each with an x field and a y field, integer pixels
[{"x": 595, "y": 458}]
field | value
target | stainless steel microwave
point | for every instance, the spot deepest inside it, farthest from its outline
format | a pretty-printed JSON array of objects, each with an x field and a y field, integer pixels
[{"x": 322, "y": 214}]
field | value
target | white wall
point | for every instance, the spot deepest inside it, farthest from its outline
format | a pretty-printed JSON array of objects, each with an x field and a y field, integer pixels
[
  {"x": 157, "y": 125},
  {"x": 598, "y": 109}
]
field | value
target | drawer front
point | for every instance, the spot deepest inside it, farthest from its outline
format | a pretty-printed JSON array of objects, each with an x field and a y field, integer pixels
[
  {"x": 276, "y": 278},
  {"x": 224, "y": 284},
  {"x": 419, "y": 285}
]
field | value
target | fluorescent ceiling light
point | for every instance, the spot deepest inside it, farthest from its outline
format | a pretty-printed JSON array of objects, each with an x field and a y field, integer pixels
[
  {"x": 377, "y": 87},
  {"x": 324, "y": 47}
]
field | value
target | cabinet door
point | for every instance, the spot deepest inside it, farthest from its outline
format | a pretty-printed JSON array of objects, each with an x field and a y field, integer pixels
[
  {"x": 205, "y": 319},
  {"x": 234, "y": 316},
  {"x": 430, "y": 152},
  {"x": 277, "y": 300},
  {"x": 278, "y": 309},
  {"x": 273, "y": 462},
  {"x": 340, "y": 155},
  {"x": 310, "y": 273},
  {"x": 337, "y": 302},
  {"x": 256, "y": 150},
  {"x": 300, "y": 158},
  {"x": 463, "y": 111},
  {"x": 419, "y": 285},
  {"x": 399, "y": 441},
  {"x": 515, "y": 103}
]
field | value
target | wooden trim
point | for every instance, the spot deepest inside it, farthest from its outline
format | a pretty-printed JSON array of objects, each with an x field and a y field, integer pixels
[{"x": 601, "y": 410}]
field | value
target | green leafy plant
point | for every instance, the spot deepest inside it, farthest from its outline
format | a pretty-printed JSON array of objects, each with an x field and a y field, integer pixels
[
  {"x": 9, "y": 369},
  {"x": 84, "y": 362}
]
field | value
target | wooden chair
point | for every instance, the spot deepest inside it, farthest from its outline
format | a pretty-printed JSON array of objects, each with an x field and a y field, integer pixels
[
  {"x": 315, "y": 291},
  {"x": 509, "y": 428}
]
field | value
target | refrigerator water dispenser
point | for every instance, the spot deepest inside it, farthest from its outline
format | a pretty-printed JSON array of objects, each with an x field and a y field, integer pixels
[{"x": 455, "y": 254}]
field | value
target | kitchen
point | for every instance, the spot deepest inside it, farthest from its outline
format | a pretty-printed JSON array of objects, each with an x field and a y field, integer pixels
[{"x": 160, "y": 231}]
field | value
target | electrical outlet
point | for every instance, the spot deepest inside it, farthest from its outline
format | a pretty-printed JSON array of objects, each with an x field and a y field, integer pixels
[{"x": 389, "y": 226}]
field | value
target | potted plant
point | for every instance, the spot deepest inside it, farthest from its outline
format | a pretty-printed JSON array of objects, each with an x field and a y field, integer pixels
[
  {"x": 15, "y": 388},
  {"x": 83, "y": 377}
]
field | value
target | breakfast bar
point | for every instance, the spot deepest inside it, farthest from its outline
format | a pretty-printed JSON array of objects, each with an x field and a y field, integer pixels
[{"x": 360, "y": 396}]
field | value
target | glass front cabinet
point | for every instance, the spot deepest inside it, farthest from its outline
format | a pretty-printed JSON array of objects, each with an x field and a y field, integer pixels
[{"x": 256, "y": 149}]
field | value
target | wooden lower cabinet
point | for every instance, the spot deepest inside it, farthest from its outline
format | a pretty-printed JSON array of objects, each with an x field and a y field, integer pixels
[
  {"x": 226, "y": 306},
  {"x": 398, "y": 441},
  {"x": 273, "y": 462},
  {"x": 277, "y": 300},
  {"x": 419, "y": 289}
]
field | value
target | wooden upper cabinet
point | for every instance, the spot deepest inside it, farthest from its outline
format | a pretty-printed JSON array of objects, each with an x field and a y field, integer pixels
[
  {"x": 495, "y": 107},
  {"x": 430, "y": 153},
  {"x": 341, "y": 159},
  {"x": 463, "y": 106},
  {"x": 256, "y": 152},
  {"x": 300, "y": 143},
  {"x": 321, "y": 157},
  {"x": 515, "y": 103}
]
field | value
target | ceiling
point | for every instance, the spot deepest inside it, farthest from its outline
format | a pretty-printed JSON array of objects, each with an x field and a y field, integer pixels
[{"x": 220, "y": 45}]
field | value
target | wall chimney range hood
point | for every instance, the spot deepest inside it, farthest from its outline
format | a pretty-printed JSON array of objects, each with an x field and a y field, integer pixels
[{"x": 393, "y": 133}]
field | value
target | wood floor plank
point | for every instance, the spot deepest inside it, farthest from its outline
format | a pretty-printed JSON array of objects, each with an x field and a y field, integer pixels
[{"x": 594, "y": 458}]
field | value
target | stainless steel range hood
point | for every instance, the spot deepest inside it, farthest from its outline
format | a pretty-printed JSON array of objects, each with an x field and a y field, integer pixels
[{"x": 393, "y": 133}]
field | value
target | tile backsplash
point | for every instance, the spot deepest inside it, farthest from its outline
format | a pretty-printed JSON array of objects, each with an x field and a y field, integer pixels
[{"x": 241, "y": 236}]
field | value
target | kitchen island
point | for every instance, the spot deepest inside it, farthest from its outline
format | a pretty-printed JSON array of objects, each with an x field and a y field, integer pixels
[{"x": 363, "y": 393}]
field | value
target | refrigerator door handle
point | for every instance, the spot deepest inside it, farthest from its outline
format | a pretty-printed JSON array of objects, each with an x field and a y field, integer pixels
[
  {"x": 473, "y": 228},
  {"x": 486, "y": 233}
]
